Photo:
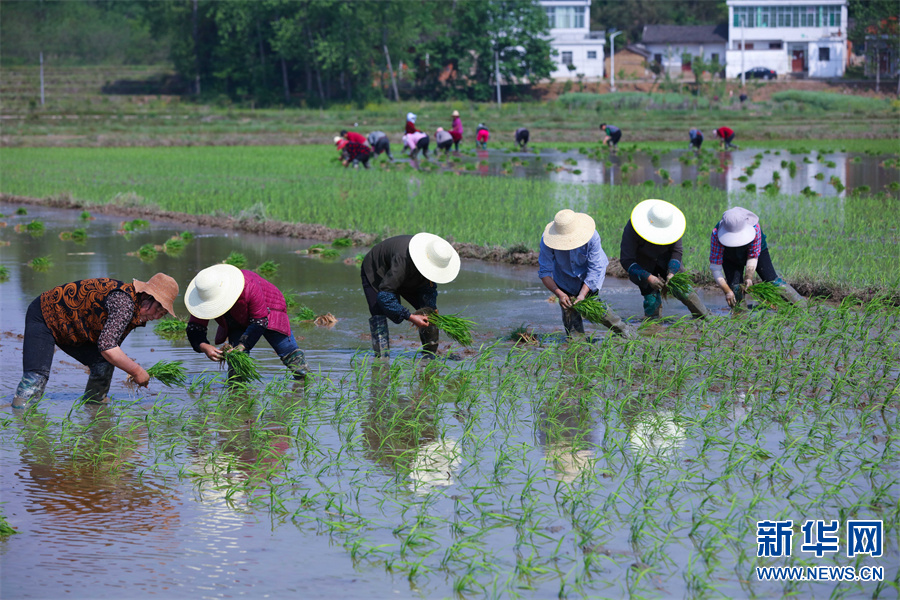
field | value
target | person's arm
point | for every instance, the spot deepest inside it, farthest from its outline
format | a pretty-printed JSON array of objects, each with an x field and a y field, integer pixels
[
  {"x": 550, "y": 284},
  {"x": 628, "y": 255},
  {"x": 117, "y": 358},
  {"x": 546, "y": 262},
  {"x": 597, "y": 262},
  {"x": 753, "y": 256},
  {"x": 389, "y": 295},
  {"x": 120, "y": 309},
  {"x": 196, "y": 335},
  {"x": 675, "y": 259},
  {"x": 716, "y": 254}
]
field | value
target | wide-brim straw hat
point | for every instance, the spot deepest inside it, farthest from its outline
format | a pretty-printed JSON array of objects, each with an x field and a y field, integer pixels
[
  {"x": 455, "y": 113},
  {"x": 659, "y": 222},
  {"x": 214, "y": 291},
  {"x": 434, "y": 257},
  {"x": 163, "y": 288},
  {"x": 737, "y": 227},
  {"x": 569, "y": 230}
]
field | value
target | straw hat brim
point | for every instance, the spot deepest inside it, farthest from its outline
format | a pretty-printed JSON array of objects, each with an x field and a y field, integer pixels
[
  {"x": 418, "y": 251},
  {"x": 162, "y": 287},
  {"x": 225, "y": 295},
  {"x": 584, "y": 231},
  {"x": 661, "y": 236},
  {"x": 734, "y": 239}
]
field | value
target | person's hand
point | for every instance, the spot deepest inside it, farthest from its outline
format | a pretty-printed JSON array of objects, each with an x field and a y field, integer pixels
[
  {"x": 211, "y": 352},
  {"x": 239, "y": 348},
  {"x": 655, "y": 282},
  {"x": 140, "y": 377},
  {"x": 419, "y": 321},
  {"x": 669, "y": 277},
  {"x": 578, "y": 299},
  {"x": 729, "y": 298},
  {"x": 564, "y": 299}
]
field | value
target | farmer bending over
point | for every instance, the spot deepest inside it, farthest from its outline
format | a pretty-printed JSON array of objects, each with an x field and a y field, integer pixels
[
  {"x": 651, "y": 254},
  {"x": 246, "y": 307},
  {"x": 355, "y": 153},
  {"x": 611, "y": 135},
  {"x": 407, "y": 266},
  {"x": 380, "y": 143},
  {"x": 696, "y": 137},
  {"x": 726, "y": 136},
  {"x": 415, "y": 142},
  {"x": 572, "y": 265},
  {"x": 522, "y": 137},
  {"x": 456, "y": 129},
  {"x": 89, "y": 319}
]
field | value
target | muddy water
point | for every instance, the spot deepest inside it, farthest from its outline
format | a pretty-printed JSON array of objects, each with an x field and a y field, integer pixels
[
  {"x": 721, "y": 170},
  {"x": 184, "y": 501}
]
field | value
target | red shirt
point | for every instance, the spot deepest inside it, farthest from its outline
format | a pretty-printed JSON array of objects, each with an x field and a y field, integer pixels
[
  {"x": 352, "y": 136},
  {"x": 724, "y": 132}
]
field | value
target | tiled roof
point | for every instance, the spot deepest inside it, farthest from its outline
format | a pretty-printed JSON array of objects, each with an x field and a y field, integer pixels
[{"x": 685, "y": 34}]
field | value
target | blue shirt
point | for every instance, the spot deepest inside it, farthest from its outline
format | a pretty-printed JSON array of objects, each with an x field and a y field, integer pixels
[{"x": 572, "y": 268}]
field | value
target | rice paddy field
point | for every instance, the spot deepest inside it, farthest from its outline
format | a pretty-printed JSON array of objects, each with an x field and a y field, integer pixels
[{"x": 531, "y": 468}]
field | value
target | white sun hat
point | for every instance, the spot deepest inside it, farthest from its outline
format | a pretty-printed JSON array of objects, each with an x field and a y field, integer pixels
[
  {"x": 659, "y": 222},
  {"x": 434, "y": 257},
  {"x": 569, "y": 230},
  {"x": 411, "y": 117},
  {"x": 214, "y": 291},
  {"x": 736, "y": 227}
]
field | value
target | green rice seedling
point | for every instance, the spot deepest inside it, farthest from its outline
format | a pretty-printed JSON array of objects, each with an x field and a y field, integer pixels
[
  {"x": 4, "y": 274},
  {"x": 792, "y": 169},
  {"x": 679, "y": 285},
  {"x": 305, "y": 314},
  {"x": 169, "y": 373},
  {"x": 242, "y": 364},
  {"x": 268, "y": 269},
  {"x": 236, "y": 259},
  {"x": 314, "y": 249},
  {"x": 330, "y": 253},
  {"x": 5, "y": 528},
  {"x": 769, "y": 294},
  {"x": 65, "y": 236},
  {"x": 751, "y": 187},
  {"x": 861, "y": 189},
  {"x": 79, "y": 236},
  {"x": 170, "y": 328},
  {"x": 41, "y": 264},
  {"x": 576, "y": 171},
  {"x": 776, "y": 176},
  {"x": 591, "y": 308},
  {"x": 35, "y": 228},
  {"x": 21, "y": 211},
  {"x": 174, "y": 246},
  {"x": 186, "y": 236},
  {"x": 290, "y": 299},
  {"x": 342, "y": 243},
  {"x": 893, "y": 186},
  {"x": 819, "y": 176},
  {"x": 808, "y": 192},
  {"x": 743, "y": 178},
  {"x": 147, "y": 253},
  {"x": 86, "y": 216},
  {"x": 837, "y": 183},
  {"x": 830, "y": 164},
  {"x": 687, "y": 183},
  {"x": 456, "y": 327},
  {"x": 134, "y": 225}
]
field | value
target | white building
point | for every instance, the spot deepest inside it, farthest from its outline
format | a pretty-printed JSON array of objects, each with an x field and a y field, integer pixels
[
  {"x": 805, "y": 38},
  {"x": 675, "y": 47},
  {"x": 580, "y": 50}
]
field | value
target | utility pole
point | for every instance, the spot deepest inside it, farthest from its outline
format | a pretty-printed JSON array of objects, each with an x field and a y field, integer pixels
[
  {"x": 743, "y": 69},
  {"x": 497, "y": 75},
  {"x": 612, "y": 61}
]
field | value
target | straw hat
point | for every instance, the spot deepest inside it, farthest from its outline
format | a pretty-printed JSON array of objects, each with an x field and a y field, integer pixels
[
  {"x": 658, "y": 222},
  {"x": 337, "y": 139},
  {"x": 434, "y": 257},
  {"x": 736, "y": 227},
  {"x": 163, "y": 288},
  {"x": 440, "y": 128},
  {"x": 455, "y": 113},
  {"x": 214, "y": 291},
  {"x": 569, "y": 230}
]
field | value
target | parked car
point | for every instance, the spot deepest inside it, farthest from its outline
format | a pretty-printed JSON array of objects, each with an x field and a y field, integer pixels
[{"x": 760, "y": 73}]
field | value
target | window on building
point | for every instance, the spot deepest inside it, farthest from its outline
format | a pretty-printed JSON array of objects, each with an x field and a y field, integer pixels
[
  {"x": 657, "y": 58},
  {"x": 592, "y": 54},
  {"x": 714, "y": 58},
  {"x": 565, "y": 17},
  {"x": 745, "y": 16},
  {"x": 567, "y": 58},
  {"x": 765, "y": 16},
  {"x": 774, "y": 45},
  {"x": 824, "y": 54},
  {"x": 831, "y": 16},
  {"x": 787, "y": 16}
]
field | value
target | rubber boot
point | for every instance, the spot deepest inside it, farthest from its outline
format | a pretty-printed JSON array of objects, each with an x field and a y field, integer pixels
[
  {"x": 98, "y": 382},
  {"x": 694, "y": 304},
  {"x": 30, "y": 388},
  {"x": 381, "y": 342},
  {"x": 429, "y": 336},
  {"x": 789, "y": 293},
  {"x": 572, "y": 321},
  {"x": 615, "y": 324},
  {"x": 652, "y": 305},
  {"x": 296, "y": 362}
]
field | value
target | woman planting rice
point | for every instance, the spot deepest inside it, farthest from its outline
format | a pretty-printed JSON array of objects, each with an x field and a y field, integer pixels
[
  {"x": 738, "y": 250},
  {"x": 408, "y": 266},
  {"x": 246, "y": 307},
  {"x": 651, "y": 254},
  {"x": 89, "y": 319},
  {"x": 573, "y": 267}
]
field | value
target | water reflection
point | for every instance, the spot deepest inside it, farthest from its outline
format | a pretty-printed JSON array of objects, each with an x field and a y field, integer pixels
[
  {"x": 654, "y": 433},
  {"x": 565, "y": 431}
]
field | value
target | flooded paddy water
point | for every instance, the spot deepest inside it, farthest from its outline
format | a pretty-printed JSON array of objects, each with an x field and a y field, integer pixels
[{"x": 607, "y": 469}]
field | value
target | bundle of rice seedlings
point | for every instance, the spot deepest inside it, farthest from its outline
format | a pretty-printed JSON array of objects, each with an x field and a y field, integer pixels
[
  {"x": 242, "y": 364},
  {"x": 768, "y": 293},
  {"x": 236, "y": 259},
  {"x": 41, "y": 264},
  {"x": 290, "y": 299},
  {"x": 86, "y": 216},
  {"x": 591, "y": 308},
  {"x": 342, "y": 243},
  {"x": 147, "y": 252},
  {"x": 679, "y": 285},
  {"x": 65, "y": 236},
  {"x": 21, "y": 211},
  {"x": 174, "y": 246},
  {"x": 456, "y": 328},
  {"x": 169, "y": 373},
  {"x": 330, "y": 253},
  {"x": 187, "y": 236},
  {"x": 4, "y": 274},
  {"x": 170, "y": 328},
  {"x": 305, "y": 313},
  {"x": 267, "y": 269},
  {"x": 79, "y": 236},
  {"x": 35, "y": 228},
  {"x": 523, "y": 335},
  {"x": 315, "y": 249}
]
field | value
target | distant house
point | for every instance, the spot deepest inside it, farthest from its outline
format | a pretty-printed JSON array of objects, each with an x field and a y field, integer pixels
[
  {"x": 674, "y": 47},
  {"x": 631, "y": 62},
  {"x": 805, "y": 38},
  {"x": 580, "y": 50}
]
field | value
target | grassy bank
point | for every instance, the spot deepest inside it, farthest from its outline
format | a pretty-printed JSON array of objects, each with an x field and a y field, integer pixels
[{"x": 839, "y": 245}]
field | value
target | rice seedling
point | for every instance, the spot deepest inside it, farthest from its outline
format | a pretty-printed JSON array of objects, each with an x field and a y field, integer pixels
[
  {"x": 41, "y": 264},
  {"x": 305, "y": 314},
  {"x": 750, "y": 187},
  {"x": 342, "y": 243},
  {"x": 187, "y": 236},
  {"x": 457, "y": 328},
  {"x": 134, "y": 225},
  {"x": 174, "y": 246},
  {"x": 35, "y": 228},
  {"x": 236, "y": 259},
  {"x": 591, "y": 308},
  {"x": 21, "y": 211},
  {"x": 242, "y": 365},
  {"x": 169, "y": 373},
  {"x": 837, "y": 183},
  {"x": 679, "y": 285},
  {"x": 268, "y": 269},
  {"x": 79, "y": 236},
  {"x": 147, "y": 253},
  {"x": 769, "y": 294},
  {"x": 5, "y": 528},
  {"x": 330, "y": 253},
  {"x": 170, "y": 328},
  {"x": 86, "y": 216},
  {"x": 4, "y": 274}
]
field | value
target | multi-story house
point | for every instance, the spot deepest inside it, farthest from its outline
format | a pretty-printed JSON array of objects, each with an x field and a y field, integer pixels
[
  {"x": 580, "y": 50},
  {"x": 804, "y": 38},
  {"x": 676, "y": 47}
]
